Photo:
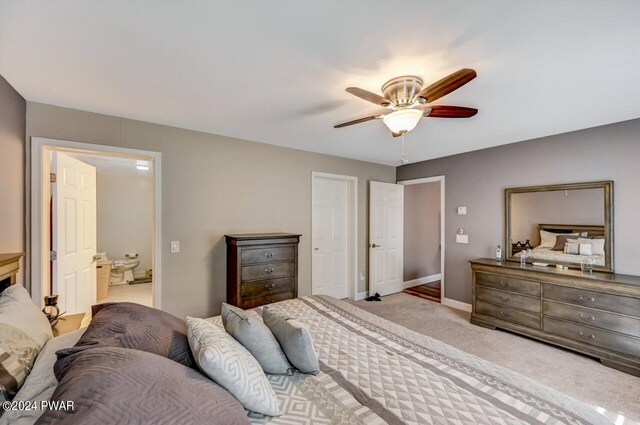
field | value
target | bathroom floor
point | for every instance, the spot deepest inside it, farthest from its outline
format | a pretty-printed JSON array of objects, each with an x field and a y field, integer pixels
[{"x": 141, "y": 293}]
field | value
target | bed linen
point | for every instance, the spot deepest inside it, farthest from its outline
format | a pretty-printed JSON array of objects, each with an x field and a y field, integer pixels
[
  {"x": 376, "y": 372},
  {"x": 547, "y": 254},
  {"x": 41, "y": 382}
]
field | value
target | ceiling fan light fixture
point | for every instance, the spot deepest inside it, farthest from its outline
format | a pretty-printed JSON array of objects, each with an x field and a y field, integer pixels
[{"x": 403, "y": 120}]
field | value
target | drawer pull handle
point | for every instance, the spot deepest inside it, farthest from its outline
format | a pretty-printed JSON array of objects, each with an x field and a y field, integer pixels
[
  {"x": 504, "y": 299},
  {"x": 586, "y": 317},
  {"x": 585, "y": 336},
  {"x": 504, "y": 313},
  {"x": 269, "y": 254},
  {"x": 586, "y": 299},
  {"x": 268, "y": 287},
  {"x": 505, "y": 284},
  {"x": 267, "y": 271}
]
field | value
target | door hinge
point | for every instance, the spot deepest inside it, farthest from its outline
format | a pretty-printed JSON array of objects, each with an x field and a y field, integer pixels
[
  {"x": 53, "y": 256},
  {"x": 52, "y": 177}
]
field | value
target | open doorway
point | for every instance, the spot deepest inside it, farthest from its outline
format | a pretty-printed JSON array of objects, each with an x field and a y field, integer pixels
[
  {"x": 95, "y": 225},
  {"x": 423, "y": 269}
]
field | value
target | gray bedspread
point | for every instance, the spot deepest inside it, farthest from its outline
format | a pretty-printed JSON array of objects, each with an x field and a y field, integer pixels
[{"x": 376, "y": 372}]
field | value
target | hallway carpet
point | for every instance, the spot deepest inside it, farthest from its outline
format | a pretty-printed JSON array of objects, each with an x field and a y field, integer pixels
[
  {"x": 429, "y": 291},
  {"x": 613, "y": 393}
]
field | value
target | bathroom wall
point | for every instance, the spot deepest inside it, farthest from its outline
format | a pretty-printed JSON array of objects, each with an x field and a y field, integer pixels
[
  {"x": 421, "y": 230},
  {"x": 125, "y": 216},
  {"x": 12, "y": 131},
  {"x": 213, "y": 185}
]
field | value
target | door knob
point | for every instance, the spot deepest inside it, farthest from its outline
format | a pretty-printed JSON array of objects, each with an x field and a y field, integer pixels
[
  {"x": 316, "y": 249},
  {"x": 96, "y": 257},
  {"x": 375, "y": 246}
]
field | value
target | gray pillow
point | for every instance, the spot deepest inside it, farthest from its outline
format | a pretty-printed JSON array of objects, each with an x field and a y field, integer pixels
[
  {"x": 229, "y": 364},
  {"x": 249, "y": 330},
  {"x": 295, "y": 341},
  {"x": 115, "y": 386},
  {"x": 18, "y": 310}
]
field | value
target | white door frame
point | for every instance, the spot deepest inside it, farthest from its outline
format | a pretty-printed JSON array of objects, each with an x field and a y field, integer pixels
[
  {"x": 352, "y": 184},
  {"x": 442, "y": 215},
  {"x": 40, "y": 193}
]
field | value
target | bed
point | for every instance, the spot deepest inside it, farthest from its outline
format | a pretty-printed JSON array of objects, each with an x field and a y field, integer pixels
[
  {"x": 547, "y": 254},
  {"x": 376, "y": 372}
]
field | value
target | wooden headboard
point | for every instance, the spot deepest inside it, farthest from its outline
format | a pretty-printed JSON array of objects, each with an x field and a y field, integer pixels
[{"x": 573, "y": 228}]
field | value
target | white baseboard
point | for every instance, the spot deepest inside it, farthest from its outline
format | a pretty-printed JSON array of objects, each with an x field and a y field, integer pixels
[
  {"x": 458, "y": 305},
  {"x": 361, "y": 296},
  {"x": 421, "y": 281}
]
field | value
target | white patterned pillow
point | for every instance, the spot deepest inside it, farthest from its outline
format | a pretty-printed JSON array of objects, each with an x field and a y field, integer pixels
[{"x": 229, "y": 364}]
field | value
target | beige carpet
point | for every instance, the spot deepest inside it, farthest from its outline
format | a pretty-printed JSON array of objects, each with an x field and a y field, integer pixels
[{"x": 578, "y": 376}]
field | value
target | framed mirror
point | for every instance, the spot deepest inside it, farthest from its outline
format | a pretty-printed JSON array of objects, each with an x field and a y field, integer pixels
[{"x": 561, "y": 224}]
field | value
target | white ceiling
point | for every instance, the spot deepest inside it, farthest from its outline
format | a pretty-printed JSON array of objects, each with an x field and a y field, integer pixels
[
  {"x": 112, "y": 164},
  {"x": 275, "y": 71}
]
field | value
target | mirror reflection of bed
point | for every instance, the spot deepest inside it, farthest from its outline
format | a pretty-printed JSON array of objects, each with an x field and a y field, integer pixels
[{"x": 561, "y": 224}]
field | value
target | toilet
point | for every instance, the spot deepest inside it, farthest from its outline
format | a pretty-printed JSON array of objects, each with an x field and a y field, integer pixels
[{"x": 122, "y": 270}]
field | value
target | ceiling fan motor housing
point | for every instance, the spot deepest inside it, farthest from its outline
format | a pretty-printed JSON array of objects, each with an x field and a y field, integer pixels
[{"x": 402, "y": 90}]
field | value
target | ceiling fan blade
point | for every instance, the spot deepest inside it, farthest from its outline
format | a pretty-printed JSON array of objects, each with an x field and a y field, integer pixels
[
  {"x": 441, "y": 111},
  {"x": 367, "y": 95},
  {"x": 358, "y": 121},
  {"x": 446, "y": 85}
]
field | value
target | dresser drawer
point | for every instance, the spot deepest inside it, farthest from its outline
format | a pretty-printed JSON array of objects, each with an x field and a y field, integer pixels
[
  {"x": 598, "y": 337},
  {"x": 256, "y": 302},
  {"x": 592, "y": 317},
  {"x": 508, "y": 314},
  {"x": 508, "y": 299},
  {"x": 267, "y": 255},
  {"x": 593, "y": 299},
  {"x": 506, "y": 283},
  {"x": 259, "y": 288},
  {"x": 268, "y": 271}
]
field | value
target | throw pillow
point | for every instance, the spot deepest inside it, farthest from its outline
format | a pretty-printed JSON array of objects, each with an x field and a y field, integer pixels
[
  {"x": 250, "y": 331},
  {"x": 295, "y": 341},
  {"x": 229, "y": 364},
  {"x": 18, "y": 351},
  {"x": 130, "y": 325},
  {"x": 18, "y": 310}
]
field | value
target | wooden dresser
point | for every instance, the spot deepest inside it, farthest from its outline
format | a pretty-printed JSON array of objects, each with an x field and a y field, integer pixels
[
  {"x": 262, "y": 268},
  {"x": 596, "y": 314}
]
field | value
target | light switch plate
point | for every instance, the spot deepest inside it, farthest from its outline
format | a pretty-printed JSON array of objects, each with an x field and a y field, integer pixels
[
  {"x": 175, "y": 247},
  {"x": 462, "y": 238},
  {"x": 462, "y": 210}
]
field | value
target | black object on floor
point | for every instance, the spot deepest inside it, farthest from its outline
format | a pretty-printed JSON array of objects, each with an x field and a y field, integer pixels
[{"x": 375, "y": 297}]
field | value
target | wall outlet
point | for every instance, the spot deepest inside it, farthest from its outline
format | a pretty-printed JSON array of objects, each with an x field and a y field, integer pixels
[
  {"x": 175, "y": 247},
  {"x": 462, "y": 210},
  {"x": 462, "y": 238},
  {"x": 362, "y": 275}
]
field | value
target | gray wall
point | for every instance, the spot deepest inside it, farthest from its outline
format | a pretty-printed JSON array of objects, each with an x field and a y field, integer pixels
[
  {"x": 421, "y": 230},
  {"x": 12, "y": 130},
  {"x": 529, "y": 209},
  {"x": 478, "y": 179},
  {"x": 212, "y": 185},
  {"x": 125, "y": 216}
]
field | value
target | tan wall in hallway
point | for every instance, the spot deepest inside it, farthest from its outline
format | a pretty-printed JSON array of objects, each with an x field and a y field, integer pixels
[
  {"x": 212, "y": 185},
  {"x": 421, "y": 230},
  {"x": 12, "y": 130}
]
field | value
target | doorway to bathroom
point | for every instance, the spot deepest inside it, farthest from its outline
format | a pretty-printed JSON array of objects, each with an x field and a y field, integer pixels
[{"x": 95, "y": 224}]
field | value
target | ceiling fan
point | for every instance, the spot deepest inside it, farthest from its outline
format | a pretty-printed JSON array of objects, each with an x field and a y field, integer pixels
[{"x": 408, "y": 101}]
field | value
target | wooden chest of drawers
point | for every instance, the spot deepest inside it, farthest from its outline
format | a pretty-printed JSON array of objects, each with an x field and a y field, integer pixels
[
  {"x": 596, "y": 314},
  {"x": 262, "y": 268}
]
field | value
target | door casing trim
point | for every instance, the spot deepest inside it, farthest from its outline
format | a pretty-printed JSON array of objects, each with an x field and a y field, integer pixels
[
  {"x": 436, "y": 179},
  {"x": 38, "y": 255}
]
